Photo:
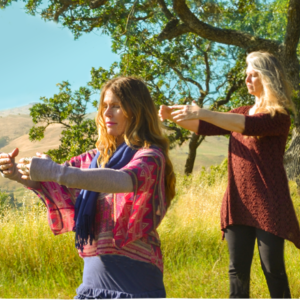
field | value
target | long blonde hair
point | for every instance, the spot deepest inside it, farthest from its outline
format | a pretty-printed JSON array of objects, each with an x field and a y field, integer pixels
[
  {"x": 143, "y": 128},
  {"x": 277, "y": 90}
]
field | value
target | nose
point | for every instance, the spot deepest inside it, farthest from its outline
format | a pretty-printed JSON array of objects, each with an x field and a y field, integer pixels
[
  {"x": 107, "y": 112},
  {"x": 248, "y": 78}
]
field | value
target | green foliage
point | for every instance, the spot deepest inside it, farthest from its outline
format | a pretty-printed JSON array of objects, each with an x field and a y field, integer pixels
[
  {"x": 184, "y": 68},
  {"x": 5, "y": 201},
  {"x": 214, "y": 174},
  {"x": 75, "y": 140},
  {"x": 69, "y": 110}
]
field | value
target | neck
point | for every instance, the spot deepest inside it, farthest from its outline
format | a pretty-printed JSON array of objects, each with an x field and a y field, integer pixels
[{"x": 119, "y": 140}]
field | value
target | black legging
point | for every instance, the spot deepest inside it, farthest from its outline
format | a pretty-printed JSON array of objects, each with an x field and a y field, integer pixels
[{"x": 241, "y": 240}]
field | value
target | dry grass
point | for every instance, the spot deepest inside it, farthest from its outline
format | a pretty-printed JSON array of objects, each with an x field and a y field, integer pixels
[
  {"x": 35, "y": 264},
  {"x": 196, "y": 258}
]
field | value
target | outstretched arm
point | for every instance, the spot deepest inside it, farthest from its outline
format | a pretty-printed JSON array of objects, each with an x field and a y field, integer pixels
[
  {"x": 97, "y": 180},
  {"x": 186, "y": 114}
]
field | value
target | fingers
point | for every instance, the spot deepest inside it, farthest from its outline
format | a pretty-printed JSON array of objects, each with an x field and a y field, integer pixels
[
  {"x": 4, "y": 155},
  {"x": 25, "y": 160},
  {"x": 6, "y": 164},
  {"x": 24, "y": 170},
  {"x": 164, "y": 112},
  {"x": 43, "y": 155},
  {"x": 6, "y": 168},
  {"x": 14, "y": 153}
]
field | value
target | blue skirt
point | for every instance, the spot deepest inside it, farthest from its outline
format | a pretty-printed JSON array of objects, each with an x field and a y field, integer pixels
[{"x": 115, "y": 276}]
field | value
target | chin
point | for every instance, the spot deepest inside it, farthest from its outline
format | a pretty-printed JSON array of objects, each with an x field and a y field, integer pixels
[{"x": 112, "y": 132}]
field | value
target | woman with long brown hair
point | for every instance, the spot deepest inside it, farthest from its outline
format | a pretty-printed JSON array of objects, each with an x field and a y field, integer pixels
[
  {"x": 113, "y": 197},
  {"x": 257, "y": 202}
]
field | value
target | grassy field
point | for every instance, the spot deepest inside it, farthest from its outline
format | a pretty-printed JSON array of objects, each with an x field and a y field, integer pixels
[{"x": 35, "y": 264}]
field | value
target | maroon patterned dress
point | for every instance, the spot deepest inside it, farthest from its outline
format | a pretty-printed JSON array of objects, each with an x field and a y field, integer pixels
[{"x": 257, "y": 194}]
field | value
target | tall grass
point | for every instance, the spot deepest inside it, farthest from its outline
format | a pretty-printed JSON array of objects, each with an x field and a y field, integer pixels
[
  {"x": 35, "y": 264},
  {"x": 196, "y": 259}
]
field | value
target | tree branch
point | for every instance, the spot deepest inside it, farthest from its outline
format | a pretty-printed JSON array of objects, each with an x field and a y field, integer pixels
[
  {"x": 173, "y": 30},
  {"x": 97, "y": 3},
  {"x": 165, "y": 9},
  {"x": 234, "y": 87},
  {"x": 62, "y": 9},
  {"x": 200, "y": 140},
  {"x": 293, "y": 28},
  {"x": 67, "y": 3},
  {"x": 180, "y": 75},
  {"x": 207, "y": 79},
  {"x": 224, "y": 36}
]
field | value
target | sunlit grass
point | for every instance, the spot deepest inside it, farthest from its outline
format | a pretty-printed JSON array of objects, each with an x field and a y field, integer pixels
[
  {"x": 196, "y": 259},
  {"x": 36, "y": 264}
]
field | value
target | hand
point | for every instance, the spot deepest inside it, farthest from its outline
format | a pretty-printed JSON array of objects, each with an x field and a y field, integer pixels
[
  {"x": 24, "y": 165},
  {"x": 165, "y": 113},
  {"x": 7, "y": 163},
  {"x": 185, "y": 112}
]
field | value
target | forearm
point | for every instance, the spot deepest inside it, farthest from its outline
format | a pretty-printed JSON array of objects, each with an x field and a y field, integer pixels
[
  {"x": 191, "y": 125},
  {"x": 228, "y": 121},
  {"x": 97, "y": 180}
]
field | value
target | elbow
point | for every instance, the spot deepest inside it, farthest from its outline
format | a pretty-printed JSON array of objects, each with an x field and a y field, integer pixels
[
  {"x": 64, "y": 177},
  {"x": 241, "y": 129},
  {"x": 241, "y": 125}
]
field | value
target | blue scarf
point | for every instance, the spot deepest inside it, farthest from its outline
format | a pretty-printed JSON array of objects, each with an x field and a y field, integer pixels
[{"x": 86, "y": 202}]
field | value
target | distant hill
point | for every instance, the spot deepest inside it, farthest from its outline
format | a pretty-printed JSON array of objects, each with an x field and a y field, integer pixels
[
  {"x": 22, "y": 110},
  {"x": 14, "y": 129}
]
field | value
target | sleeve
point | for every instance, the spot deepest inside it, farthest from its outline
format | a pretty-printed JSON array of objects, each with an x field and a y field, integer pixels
[
  {"x": 139, "y": 213},
  {"x": 60, "y": 200},
  {"x": 266, "y": 125},
  {"x": 208, "y": 129}
]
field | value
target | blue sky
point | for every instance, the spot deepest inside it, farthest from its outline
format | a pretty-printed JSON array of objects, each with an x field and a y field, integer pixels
[{"x": 36, "y": 55}]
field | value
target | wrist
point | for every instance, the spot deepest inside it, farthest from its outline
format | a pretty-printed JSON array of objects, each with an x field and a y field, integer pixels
[
  {"x": 15, "y": 175},
  {"x": 201, "y": 113},
  {"x": 42, "y": 169}
]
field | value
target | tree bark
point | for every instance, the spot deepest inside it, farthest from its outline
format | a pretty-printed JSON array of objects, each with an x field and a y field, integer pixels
[
  {"x": 194, "y": 143},
  {"x": 292, "y": 158}
]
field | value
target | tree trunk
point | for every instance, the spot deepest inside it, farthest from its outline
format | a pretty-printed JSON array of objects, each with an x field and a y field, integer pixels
[
  {"x": 292, "y": 157},
  {"x": 194, "y": 143}
]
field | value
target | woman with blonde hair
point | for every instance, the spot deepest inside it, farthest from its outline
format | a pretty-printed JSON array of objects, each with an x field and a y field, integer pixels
[
  {"x": 113, "y": 197},
  {"x": 257, "y": 202}
]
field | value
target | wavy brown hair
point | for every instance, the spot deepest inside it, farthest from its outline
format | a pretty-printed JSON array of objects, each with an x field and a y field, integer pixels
[
  {"x": 143, "y": 128},
  {"x": 277, "y": 90}
]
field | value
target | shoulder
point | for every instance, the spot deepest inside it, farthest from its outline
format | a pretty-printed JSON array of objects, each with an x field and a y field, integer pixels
[
  {"x": 147, "y": 158},
  {"x": 153, "y": 152},
  {"x": 241, "y": 110},
  {"x": 83, "y": 160}
]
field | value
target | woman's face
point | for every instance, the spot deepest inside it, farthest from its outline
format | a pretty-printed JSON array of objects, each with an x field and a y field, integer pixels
[
  {"x": 253, "y": 82},
  {"x": 114, "y": 118}
]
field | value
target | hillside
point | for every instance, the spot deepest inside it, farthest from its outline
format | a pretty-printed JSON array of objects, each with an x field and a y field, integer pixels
[
  {"x": 22, "y": 110},
  {"x": 15, "y": 128}
]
